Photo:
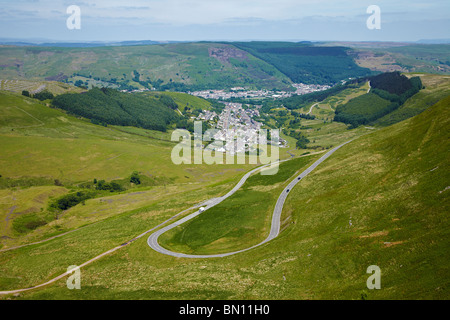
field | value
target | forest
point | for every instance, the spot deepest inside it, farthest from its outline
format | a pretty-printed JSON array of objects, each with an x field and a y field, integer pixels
[
  {"x": 108, "y": 106},
  {"x": 306, "y": 63},
  {"x": 389, "y": 91}
]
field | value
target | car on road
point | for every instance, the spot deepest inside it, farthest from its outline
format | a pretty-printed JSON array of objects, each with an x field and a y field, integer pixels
[
  {"x": 287, "y": 190},
  {"x": 202, "y": 209}
]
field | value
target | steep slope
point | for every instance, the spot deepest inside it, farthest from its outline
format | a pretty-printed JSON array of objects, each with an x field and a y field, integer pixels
[
  {"x": 47, "y": 153},
  {"x": 436, "y": 87},
  {"x": 383, "y": 200}
]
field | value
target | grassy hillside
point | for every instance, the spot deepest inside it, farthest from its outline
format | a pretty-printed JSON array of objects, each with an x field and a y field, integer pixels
[
  {"x": 187, "y": 104},
  {"x": 380, "y": 200},
  {"x": 241, "y": 221},
  {"x": 165, "y": 66},
  {"x": 436, "y": 88},
  {"x": 54, "y": 87},
  {"x": 51, "y": 154},
  {"x": 384, "y": 57},
  {"x": 206, "y": 65},
  {"x": 183, "y": 66},
  {"x": 392, "y": 186},
  {"x": 434, "y": 58}
]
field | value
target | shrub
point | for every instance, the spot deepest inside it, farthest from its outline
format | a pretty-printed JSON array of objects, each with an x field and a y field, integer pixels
[
  {"x": 135, "y": 178},
  {"x": 43, "y": 95},
  {"x": 71, "y": 200}
]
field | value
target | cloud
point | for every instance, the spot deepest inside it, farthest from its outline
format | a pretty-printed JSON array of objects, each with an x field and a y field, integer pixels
[
  {"x": 226, "y": 18},
  {"x": 203, "y": 12}
]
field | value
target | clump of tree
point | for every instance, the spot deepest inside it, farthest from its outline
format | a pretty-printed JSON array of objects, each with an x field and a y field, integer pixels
[
  {"x": 303, "y": 115},
  {"x": 136, "y": 76},
  {"x": 80, "y": 84},
  {"x": 185, "y": 124},
  {"x": 43, "y": 95},
  {"x": 169, "y": 86},
  {"x": 302, "y": 140},
  {"x": 295, "y": 123},
  {"x": 401, "y": 95},
  {"x": 135, "y": 178},
  {"x": 392, "y": 82},
  {"x": 216, "y": 106},
  {"x": 109, "y": 186},
  {"x": 70, "y": 200},
  {"x": 363, "y": 109},
  {"x": 168, "y": 101}
]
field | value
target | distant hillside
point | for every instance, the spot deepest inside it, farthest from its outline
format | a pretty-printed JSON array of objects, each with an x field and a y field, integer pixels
[
  {"x": 176, "y": 66},
  {"x": 428, "y": 58},
  {"x": 182, "y": 66},
  {"x": 33, "y": 87},
  {"x": 86, "y": 44},
  {"x": 214, "y": 65},
  {"x": 307, "y": 63}
]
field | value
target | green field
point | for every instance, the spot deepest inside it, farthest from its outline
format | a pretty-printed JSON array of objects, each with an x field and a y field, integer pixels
[
  {"x": 391, "y": 185},
  {"x": 380, "y": 200},
  {"x": 241, "y": 221},
  {"x": 44, "y": 147}
]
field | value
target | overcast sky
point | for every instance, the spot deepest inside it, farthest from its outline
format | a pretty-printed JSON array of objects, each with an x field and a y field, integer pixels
[{"x": 189, "y": 20}]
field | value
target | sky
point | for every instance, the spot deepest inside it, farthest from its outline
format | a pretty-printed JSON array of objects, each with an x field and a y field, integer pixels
[{"x": 229, "y": 20}]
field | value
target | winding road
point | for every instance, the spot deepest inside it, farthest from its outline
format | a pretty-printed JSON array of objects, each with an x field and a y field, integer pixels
[
  {"x": 310, "y": 109},
  {"x": 152, "y": 240}
]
